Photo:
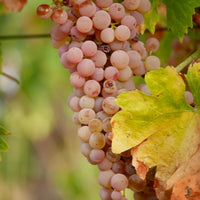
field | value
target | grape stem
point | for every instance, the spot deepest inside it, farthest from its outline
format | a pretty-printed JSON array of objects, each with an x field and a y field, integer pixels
[
  {"x": 188, "y": 60},
  {"x": 10, "y": 77},
  {"x": 124, "y": 192}
]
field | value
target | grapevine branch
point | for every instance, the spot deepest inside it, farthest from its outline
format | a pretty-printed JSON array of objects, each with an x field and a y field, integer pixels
[
  {"x": 188, "y": 60},
  {"x": 10, "y": 77}
]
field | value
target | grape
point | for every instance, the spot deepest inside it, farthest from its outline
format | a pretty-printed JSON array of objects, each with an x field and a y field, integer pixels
[
  {"x": 105, "y": 94},
  {"x": 139, "y": 47},
  {"x": 92, "y": 88},
  {"x": 86, "y": 67},
  {"x": 96, "y": 155},
  {"x": 59, "y": 16},
  {"x": 109, "y": 105},
  {"x": 99, "y": 59},
  {"x": 107, "y": 35},
  {"x": 136, "y": 183},
  {"x": 116, "y": 45},
  {"x": 119, "y": 59},
  {"x": 75, "y": 44},
  {"x": 134, "y": 59},
  {"x": 122, "y": 33},
  {"x": 105, "y": 48},
  {"x": 84, "y": 24},
  {"x": 65, "y": 62},
  {"x": 109, "y": 86},
  {"x": 64, "y": 48},
  {"x": 85, "y": 149},
  {"x": 57, "y": 34},
  {"x": 84, "y": 133},
  {"x": 86, "y": 102},
  {"x": 189, "y": 97},
  {"x": 102, "y": 115},
  {"x": 111, "y": 73},
  {"x": 152, "y": 63},
  {"x": 138, "y": 16},
  {"x": 98, "y": 104},
  {"x": 104, "y": 178},
  {"x": 129, "y": 21},
  {"x": 119, "y": 182},
  {"x": 97, "y": 140},
  {"x": 128, "y": 85},
  {"x": 95, "y": 125},
  {"x": 112, "y": 156},
  {"x": 139, "y": 71},
  {"x": 76, "y": 34},
  {"x": 85, "y": 115},
  {"x": 89, "y": 48},
  {"x": 120, "y": 91},
  {"x": 74, "y": 104},
  {"x": 87, "y": 8},
  {"x": 75, "y": 118},
  {"x": 76, "y": 80},
  {"x": 129, "y": 169},
  {"x": 108, "y": 138},
  {"x": 101, "y": 20},
  {"x": 106, "y": 124},
  {"x": 98, "y": 74},
  {"x": 131, "y": 4},
  {"x": 78, "y": 92},
  {"x": 125, "y": 74},
  {"x": 74, "y": 55},
  {"x": 104, "y": 193},
  {"x": 118, "y": 167},
  {"x": 116, "y": 195},
  {"x": 145, "y": 6},
  {"x": 104, "y": 3},
  {"x": 44, "y": 11},
  {"x": 116, "y": 11},
  {"x": 152, "y": 44},
  {"x": 66, "y": 27},
  {"x": 144, "y": 88},
  {"x": 105, "y": 164}
]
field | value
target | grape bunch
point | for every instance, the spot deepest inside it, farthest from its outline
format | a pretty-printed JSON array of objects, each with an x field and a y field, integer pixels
[{"x": 98, "y": 43}]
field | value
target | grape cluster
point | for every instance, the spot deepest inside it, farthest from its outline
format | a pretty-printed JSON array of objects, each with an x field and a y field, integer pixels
[{"x": 99, "y": 44}]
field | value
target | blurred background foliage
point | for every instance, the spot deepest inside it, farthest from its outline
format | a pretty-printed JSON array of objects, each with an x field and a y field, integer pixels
[{"x": 44, "y": 161}]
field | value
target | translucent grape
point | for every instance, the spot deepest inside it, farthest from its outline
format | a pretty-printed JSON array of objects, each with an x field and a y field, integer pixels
[
  {"x": 98, "y": 74},
  {"x": 92, "y": 88},
  {"x": 189, "y": 97},
  {"x": 107, "y": 125},
  {"x": 112, "y": 156},
  {"x": 97, "y": 140},
  {"x": 136, "y": 183},
  {"x": 152, "y": 44},
  {"x": 75, "y": 118},
  {"x": 116, "y": 11},
  {"x": 125, "y": 74},
  {"x": 76, "y": 34},
  {"x": 59, "y": 16},
  {"x": 84, "y": 24},
  {"x": 119, "y": 167},
  {"x": 122, "y": 33},
  {"x": 87, "y": 8},
  {"x": 89, "y": 48},
  {"x": 101, "y": 20},
  {"x": 74, "y": 55},
  {"x": 74, "y": 104},
  {"x": 84, "y": 133},
  {"x": 86, "y": 102},
  {"x": 66, "y": 27},
  {"x": 105, "y": 194},
  {"x": 95, "y": 125},
  {"x": 129, "y": 21},
  {"x": 65, "y": 62},
  {"x": 116, "y": 195},
  {"x": 119, "y": 59},
  {"x": 134, "y": 59},
  {"x": 139, "y": 47},
  {"x": 85, "y": 115},
  {"x": 97, "y": 155},
  {"x": 99, "y": 59},
  {"x": 107, "y": 35},
  {"x": 44, "y": 11},
  {"x": 104, "y": 178},
  {"x": 138, "y": 16},
  {"x": 64, "y": 48},
  {"x": 109, "y": 105},
  {"x": 119, "y": 182},
  {"x": 152, "y": 63},
  {"x": 139, "y": 71},
  {"x": 76, "y": 80},
  {"x": 57, "y": 34},
  {"x": 131, "y": 4},
  {"x": 105, "y": 164},
  {"x": 145, "y": 6},
  {"x": 86, "y": 67},
  {"x": 85, "y": 149},
  {"x": 111, "y": 73}
]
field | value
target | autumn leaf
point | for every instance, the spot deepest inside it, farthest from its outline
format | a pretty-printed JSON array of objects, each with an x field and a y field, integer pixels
[
  {"x": 14, "y": 5},
  {"x": 162, "y": 129}
]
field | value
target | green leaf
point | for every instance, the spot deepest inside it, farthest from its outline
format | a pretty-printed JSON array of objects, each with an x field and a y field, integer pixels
[
  {"x": 162, "y": 129},
  {"x": 179, "y": 15},
  {"x": 3, "y": 131},
  {"x": 3, "y": 145},
  {"x": 151, "y": 18}
]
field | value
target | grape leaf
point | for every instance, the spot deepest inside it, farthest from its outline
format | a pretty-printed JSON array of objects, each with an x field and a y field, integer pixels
[
  {"x": 151, "y": 18},
  {"x": 162, "y": 129}
]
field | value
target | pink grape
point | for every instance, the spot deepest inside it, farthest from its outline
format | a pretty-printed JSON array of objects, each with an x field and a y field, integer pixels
[
  {"x": 134, "y": 59},
  {"x": 89, "y": 48},
  {"x": 122, "y": 33},
  {"x": 87, "y": 9},
  {"x": 107, "y": 35},
  {"x": 65, "y": 62},
  {"x": 99, "y": 58},
  {"x": 119, "y": 182},
  {"x": 98, "y": 74},
  {"x": 76, "y": 34},
  {"x": 138, "y": 16},
  {"x": 64, "y": 48},
  {"x": 111, "y": 73},
  {"x": 66, "y": 27},
  {"x": 76, "y": 80},
  {"x": 92, "y": 88},
  {"x": 101, "y": 20},
  {"x": 84, "y": 24},
  {"x": 145, "y": 6},
  {"x": 59, "y": 16},
  {"x": 86, "y": 67},
  {"x": 104, "y": 3},
  {"x": 116, "y": 11},
  {"x": 131, "y": 4},
  {"x": 125, "y": 74},
  {"x": 57, "y": 34},
  {"x": 85, "y": 115},
  {"x": 44, "y": 11},
  {"x": 129, "y": 21},
  {"x": 74, "y": 55}
]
